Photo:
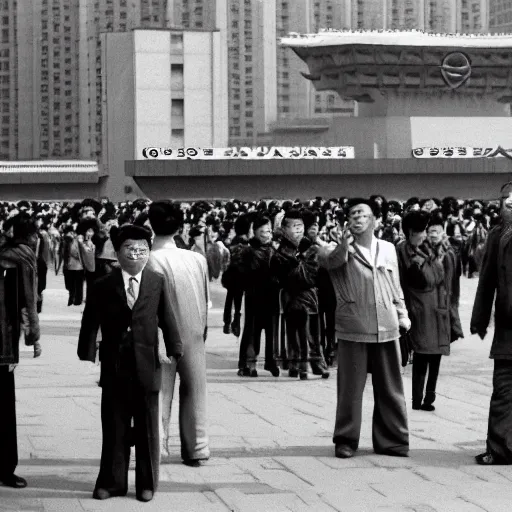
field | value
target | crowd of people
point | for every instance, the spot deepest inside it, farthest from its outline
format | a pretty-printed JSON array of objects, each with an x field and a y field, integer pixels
[{"x": 363, "y": 284}]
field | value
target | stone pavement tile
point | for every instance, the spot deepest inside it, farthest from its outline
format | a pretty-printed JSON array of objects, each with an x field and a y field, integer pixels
[
  {"x": 384, "y": 461},
  {"x": 162, "y": 501},
  {"x": 310, "y": 470},
  {"x": 487, "y": 474},
  {"x": 277, "y": 478},
  {"x": 411, "y": 491},
  {"x": 456, "y": 505},
  {"x": 354, "y": 500},
  {"x": 354, "y": 462},
  {"x": 8, "y": 504},
  {"x": 238, "y": 502},
  {"x": 445, "y": 476}
]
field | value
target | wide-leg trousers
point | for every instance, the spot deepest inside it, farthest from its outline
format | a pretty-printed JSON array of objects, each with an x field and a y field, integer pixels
[
  {"x": 120, "y": 402},
  {"x": 8, "y": 437},
  {"x": 499, "y": 431},
  {"x": 193, "y": 414},
  {"x": 390, "y": 433}
]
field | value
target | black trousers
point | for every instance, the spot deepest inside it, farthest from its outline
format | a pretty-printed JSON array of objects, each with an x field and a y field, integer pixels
[
  {"x": 120, "y": 402},
  {"x": 499, "y": 431},
  {"x": 90, "y": 277},
  {"x": 258, "y": 319},
  {"x": 74, "y": 282},
  {"x": 420, "y": 364},
  {"x": 297, "y": 336},
  {"x": 233, "y": 298},
  {"x": 42, "y": 271},
  {"x": 8, "y": 437}
]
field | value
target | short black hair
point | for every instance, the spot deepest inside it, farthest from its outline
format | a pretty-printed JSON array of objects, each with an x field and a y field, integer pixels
[
  {"x": 166, "y": 217},
  {"x": 242, "y": 224},
  {"x": 415, "y": 221},
  {"x": 260, "y": 220},
  {"x": 292, "y": 214},
  {"x": 376, "y": 210},
  {"x": 23, "y": 226},
  {"x": 129, "y": 232},
  {"x": 436, "y": 219}
]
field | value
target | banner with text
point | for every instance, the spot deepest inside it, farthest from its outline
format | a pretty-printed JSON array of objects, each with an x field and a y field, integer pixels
[
  {"x": 247, "y": 153},
  {"x": 461, "y": 152}
]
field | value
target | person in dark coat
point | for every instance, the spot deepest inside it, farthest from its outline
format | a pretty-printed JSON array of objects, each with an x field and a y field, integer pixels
[
  {"x": 494, "y": 287},
  {"x": 18, "y": 297},
  {"x": 129, "y": 305},
  {"x": 229, "y": 279},
  {"x": 295, "y": 265},
  {"x": 261, "y": 299},
  {"x": 427, "y": 274}
]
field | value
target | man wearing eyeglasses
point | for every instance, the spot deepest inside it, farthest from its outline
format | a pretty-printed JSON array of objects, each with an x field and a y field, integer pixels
[{"x": 129, "y": 305}]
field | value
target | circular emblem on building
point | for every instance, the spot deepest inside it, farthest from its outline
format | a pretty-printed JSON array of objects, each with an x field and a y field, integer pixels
[{"x": 455, "y": 69}]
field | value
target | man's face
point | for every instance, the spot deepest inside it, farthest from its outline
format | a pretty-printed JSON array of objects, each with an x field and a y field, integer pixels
[
  {"x": 313, "y": 230},
  {"x": 416, "y": 238},
  {"x": 360, "y": 219},
  {"x": 295, "y": 229},
  {"x": 435, "y": 234},
  {"x": 133, "y": 256},
  {"x": 506, "y": 204},
  {"x": 428, "y": 206},
  {"x": 264, "y": 233}
]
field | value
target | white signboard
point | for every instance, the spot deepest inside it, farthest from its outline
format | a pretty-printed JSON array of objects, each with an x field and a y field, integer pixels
[
  {"x": 247, "y": 153},
  {"x": 461, "y": 152}
]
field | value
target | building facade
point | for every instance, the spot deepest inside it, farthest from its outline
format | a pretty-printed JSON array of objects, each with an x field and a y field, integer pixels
[
  {"x": 42, "y": 50},
  {"x": 162, "y": 89},
  {"x": 500, "y": 16}
]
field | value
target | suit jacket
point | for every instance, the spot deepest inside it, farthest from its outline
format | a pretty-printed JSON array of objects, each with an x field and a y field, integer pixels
[{"x": 108, "y": 308}]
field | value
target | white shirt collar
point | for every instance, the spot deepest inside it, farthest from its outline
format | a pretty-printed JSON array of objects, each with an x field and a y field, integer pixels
[
  {"x": 126, "y": 278},
  {"x": 371, "y": 253}
]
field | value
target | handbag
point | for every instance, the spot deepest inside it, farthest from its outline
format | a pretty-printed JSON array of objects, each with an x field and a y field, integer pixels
[{"x": 405, "y": 348}]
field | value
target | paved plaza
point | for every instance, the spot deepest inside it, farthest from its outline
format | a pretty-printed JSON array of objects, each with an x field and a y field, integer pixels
[{"x": 271, "y": 438}]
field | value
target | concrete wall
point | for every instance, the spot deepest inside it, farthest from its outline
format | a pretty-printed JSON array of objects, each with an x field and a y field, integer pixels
[
  {"x": 255, "y": 179},
  {"x": 396, "y": 136},
  {"x": 118, "y": 111}
]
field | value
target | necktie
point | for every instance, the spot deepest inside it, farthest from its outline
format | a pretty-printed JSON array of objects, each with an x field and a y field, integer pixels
[{"x": 130, "y": 295}]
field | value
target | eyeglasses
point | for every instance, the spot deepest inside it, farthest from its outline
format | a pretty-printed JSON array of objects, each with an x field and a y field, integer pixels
[{"x": 136, "y": 251}]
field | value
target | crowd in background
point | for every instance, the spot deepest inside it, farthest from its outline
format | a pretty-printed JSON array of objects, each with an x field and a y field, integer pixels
[{"x": 273, "y": 264}]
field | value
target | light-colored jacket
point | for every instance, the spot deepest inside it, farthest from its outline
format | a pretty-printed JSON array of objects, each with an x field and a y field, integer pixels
[
  {"x": 186, "y": 275},
  {"x": 369, "y": 298}
]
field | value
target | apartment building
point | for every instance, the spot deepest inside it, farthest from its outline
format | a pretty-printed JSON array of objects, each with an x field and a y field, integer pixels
[
  {"x": 163, "y": 89},
  {"x": 500, "y": 16}
]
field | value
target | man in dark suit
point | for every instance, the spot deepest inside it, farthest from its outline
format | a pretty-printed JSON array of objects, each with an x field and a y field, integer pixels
[{"x": 129, "y": 305}]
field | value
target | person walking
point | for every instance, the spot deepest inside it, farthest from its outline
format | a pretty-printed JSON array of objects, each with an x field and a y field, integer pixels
[
  {"x": 187, "y": 289},
  {"x": 370, "y": 313}
]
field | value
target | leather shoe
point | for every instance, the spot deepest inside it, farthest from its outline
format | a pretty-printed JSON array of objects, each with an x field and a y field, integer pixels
[
  {"x": 14, "y": 481},
  {"x": 101, "y": 494},
  {"x": 486, "y": 459},
  {"x": 342, "y": 451},
  {"x": 194, "y": 463},
  {"x": 146, "y": 495}
]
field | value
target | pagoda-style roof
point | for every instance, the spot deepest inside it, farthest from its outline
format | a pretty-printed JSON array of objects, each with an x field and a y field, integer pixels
[{"x": 356, "y": 62}]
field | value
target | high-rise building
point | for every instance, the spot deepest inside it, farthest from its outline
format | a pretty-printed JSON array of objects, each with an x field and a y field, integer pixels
[
  {"x": 252, "y": 46},
  {"x": 8, "y": 80},
  {"x": 296, "y": 97},
  {"x": 39, "y": 79},
  {"x": 98, "y": 17},
  {"x": 155, "y": 96},
  {"x": 500, "y": 16}
]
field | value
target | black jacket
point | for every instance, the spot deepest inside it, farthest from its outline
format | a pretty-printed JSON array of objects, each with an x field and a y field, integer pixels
[{"x": 108, "y": 308}]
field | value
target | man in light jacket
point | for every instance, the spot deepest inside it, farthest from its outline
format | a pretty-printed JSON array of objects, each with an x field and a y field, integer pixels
[
  {"x": 370, "y": 313},
  {"x": 186, "y": 275}
]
